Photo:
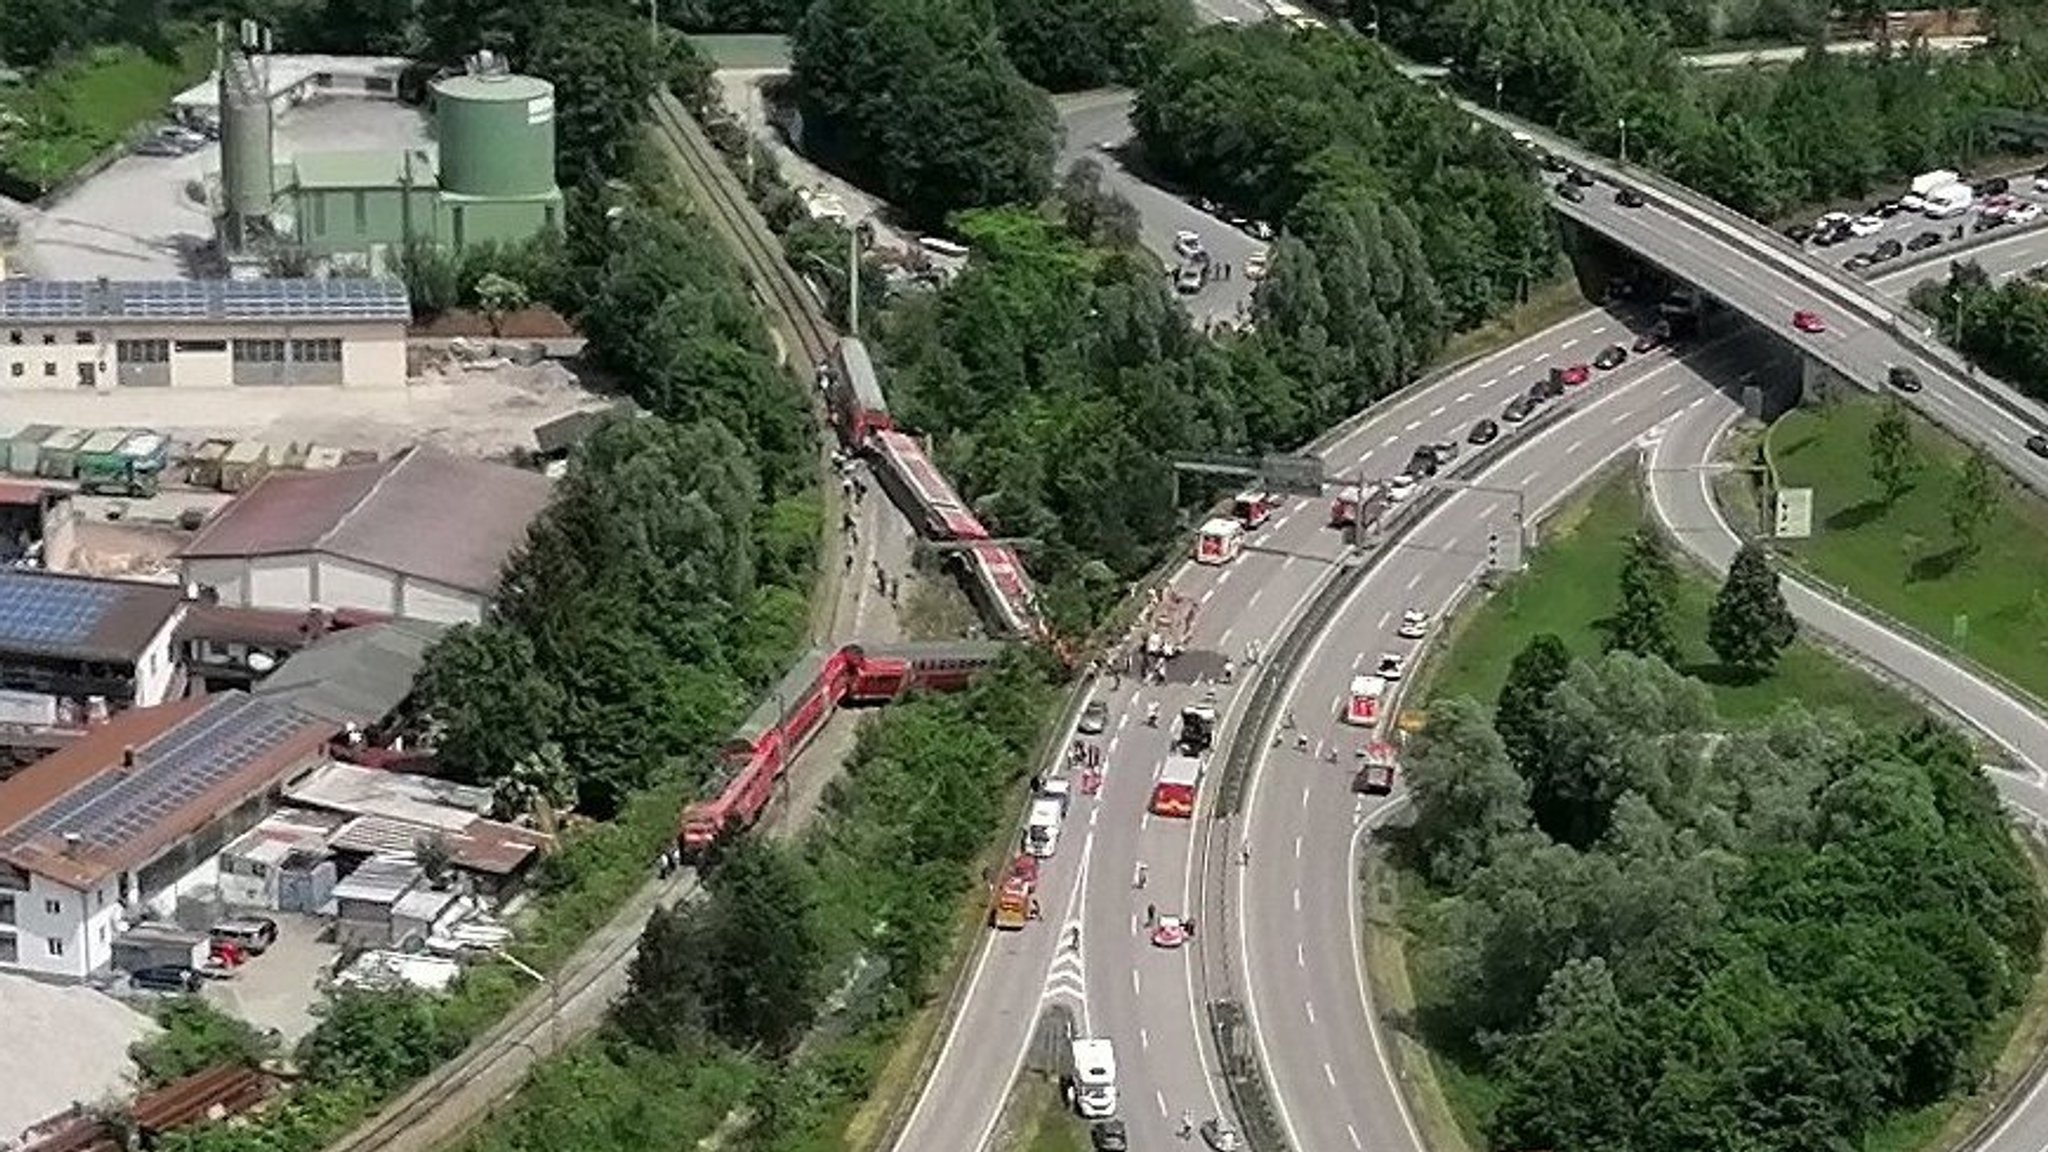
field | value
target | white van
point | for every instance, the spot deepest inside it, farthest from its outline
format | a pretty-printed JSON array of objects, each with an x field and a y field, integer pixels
[
  {"x": 1042, "y": 831},
  {"x": 1094, "y": 1079},
  {"x": 1951, "y": 200}
]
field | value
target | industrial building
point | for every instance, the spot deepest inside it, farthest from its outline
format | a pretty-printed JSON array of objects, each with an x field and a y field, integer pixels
[
  {"x": 104, "y": 832},
  {"x": 490, "y": 178},
  {"x": 74, "y": 649},
  {"x": 423, "y": 535},
  {"x": 106, "y": 334}
]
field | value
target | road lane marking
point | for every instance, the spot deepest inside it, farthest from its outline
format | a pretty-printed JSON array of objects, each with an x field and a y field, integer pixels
[
  {"x": 1309, "y": 1006},
  {"x": 1436, "y": 411},
  {"x": 1390, "y": 441},
  {"x": 1329, "y": 1075},
  {"x": 1621, "y": 418},
  {"x": 1297, "y": 899},
  {"x": 1492, "y": 382},
  {"x": 1224, "y": 639},
  {"x": 1384, "y": 617},
  {"x": 1224, "y": 578},
  {"x": 1297, "y": 847},
  {"x": 1571, "y": 449},
  {"x": 1673, "y": 388},
  {"x": 1414, "y": 580},
  {"x": 1144, "y": 1038},
  {"x": 1569, "y": 343},
  {"x": 1355, "y": 1141},
  {"x": 1300, "y": 955},
  {"x": 1462, "y": 397},
  {"x": 1304, "y": 804},
  {"x": 1161, "y": 1097},
  {"x": 1599, "y": 330},
  {"x": 1137, "y": 987},
  {"x": 1411, "y": 426},
  {"x": 1207, "y": 595}
]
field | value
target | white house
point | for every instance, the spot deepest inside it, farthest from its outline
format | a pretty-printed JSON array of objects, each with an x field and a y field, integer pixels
[{"x": 73, "y": 648}]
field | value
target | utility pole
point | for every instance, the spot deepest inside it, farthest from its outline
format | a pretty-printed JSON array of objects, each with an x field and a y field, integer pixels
[{"x": 853, "y": 280}]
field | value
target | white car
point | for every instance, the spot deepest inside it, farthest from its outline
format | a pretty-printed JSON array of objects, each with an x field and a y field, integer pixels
[
  {"x": 2025, "y": 212},
  {"x": 1400, "y": 487},
  {"x": 1414, "y": 625},
  {"x": 1391, "y": 666},
  {"x": 1913, "y": 202},
  {"x": 2041, "y": 180},
  {"x": 1865, "y": 226},
  {"x": 1187, "y": 243}
]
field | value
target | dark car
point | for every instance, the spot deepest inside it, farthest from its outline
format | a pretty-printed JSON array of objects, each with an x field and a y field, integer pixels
[
  {"x": 1996, "y": 186},
  {"x": 1628, "y": 198},
  {"x": 1987, "y": 221},
  {"x": 1581, "y": 177},
  {"x": 1552, "y": 162},
  {"x": 1886, "y": 209},
  {"x": 1859, "y": 262},
  {"x": 1570, "y": 191},
  {"x": 2038, "y": 445},
  {"x": 1650, "y": 341},
  {"x": 167, "y": 978},
  {"x": 1903, "y": 378},
  {"x": 1445, "y": 451},
  {"x": 1888, "y": 250},
  {"x": 1548, "y": 388},
  {"x": 1484, "y": 432},
  {"x": 1108, "y": 1136},
  {"x": 1422, "y": 463},
  {"x": 1828, "y": 238},
  {"x": 1517, "y": 410},
  {"x": 1610, "y": 357},
  {"x": 1922, "y": 241},
  {"x": 1799, "y": 233}
]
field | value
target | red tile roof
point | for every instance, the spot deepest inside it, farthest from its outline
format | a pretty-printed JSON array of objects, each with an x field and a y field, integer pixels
[{"x": 424, "y": 513}]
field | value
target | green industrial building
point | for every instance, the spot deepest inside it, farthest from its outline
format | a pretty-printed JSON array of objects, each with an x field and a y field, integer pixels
[{"x": 493, "y": 179}]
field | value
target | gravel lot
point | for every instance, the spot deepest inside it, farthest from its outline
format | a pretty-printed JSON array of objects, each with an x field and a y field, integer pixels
[{"x": 70, "y": 1044}]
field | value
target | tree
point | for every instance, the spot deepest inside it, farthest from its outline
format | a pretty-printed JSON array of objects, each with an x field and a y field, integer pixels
[
  {"x": 1641, "y": 622},
  {"x": 499, "y": 295},
  {"x": 1749, "y": 626},
  {"x": 482, "y": 691},
  {"x": 1524, "y": 701},
  {"x": 1466, "y": 793},
  {"x": 1071, "y": 45},
  {"x": 603, "y": 73},
  {"x": 1893, "y": 457},
  {"x": 196, "y": 1036},
  {"x": 376, "y": 1039},
  {"x": 1973, "y": 500}
]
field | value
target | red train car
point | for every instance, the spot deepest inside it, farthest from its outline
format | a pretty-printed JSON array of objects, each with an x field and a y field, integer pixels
[
  {"x": 855, "y": 393},
  {"x": 759, "y": 754},
  {"x": 921, "y": 490}
]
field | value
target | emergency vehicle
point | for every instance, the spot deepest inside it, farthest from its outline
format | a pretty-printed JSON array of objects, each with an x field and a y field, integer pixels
[
  {"x": 1345, "y": 509},
  {"x": 1173, "y": 794},
  {"x": 1253, "y": 509},
  {"x": 1018, "y": 892},
  {"x": 1376, "y": 775},
  {"x": 1219, "y": 541},
  {"x": 1362, "y": 705}
]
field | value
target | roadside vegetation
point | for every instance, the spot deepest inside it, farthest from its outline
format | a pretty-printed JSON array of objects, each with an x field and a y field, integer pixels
[
  {"x": 82, "y": 97},
  {"x": 1912, "y": 522},
  {"x": 2002, "y": 327},
  {"x": 1763, "y": 140},
  {"x": 1611, "y": 859}
]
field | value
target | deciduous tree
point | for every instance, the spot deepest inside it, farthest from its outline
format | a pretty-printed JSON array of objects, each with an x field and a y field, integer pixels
[
  {"x": 1524, "y": 702},
  {"x": 1973, "y": 500},
  {"x": 1894, "y": 459}
]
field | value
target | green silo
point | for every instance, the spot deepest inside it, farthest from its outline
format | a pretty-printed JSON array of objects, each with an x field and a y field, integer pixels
[{"x": 497, "y": 134}]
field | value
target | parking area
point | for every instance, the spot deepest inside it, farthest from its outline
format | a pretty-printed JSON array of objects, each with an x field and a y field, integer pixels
[
  {"x": 1865, "y": 237},
  {"x": 145, "y": 217},
  {"x": 66, "y": 1045},
  {"x": 279, "y": 988}
]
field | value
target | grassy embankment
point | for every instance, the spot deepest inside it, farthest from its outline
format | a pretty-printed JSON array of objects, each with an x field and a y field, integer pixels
[
  {"x": 1568, "y": 589},
  {"x": 73, "y": 111}
]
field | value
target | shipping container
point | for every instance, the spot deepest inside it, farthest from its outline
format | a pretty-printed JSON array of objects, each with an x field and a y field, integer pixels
[
  {"x": 58, "y": 459},
  {"x": 203, "y": 469},
  {"x": 25, "y": 447},
  {"x": 246, "y": 463}
]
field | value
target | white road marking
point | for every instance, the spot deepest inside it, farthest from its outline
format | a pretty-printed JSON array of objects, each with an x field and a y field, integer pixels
[
  {"x": 1436, "y": 411},
  {"x": 1355, "y": 1141},
  {"x": 1288, "y": 563},
  {"x": 1300, "y": 956},
  {"x": 1297, "y": 899},
  {"x": 1135, "y": 985},
  {"x": 1207, "y": 595},
  {"x": 1144, "y": 1038},
  {"x": 1492, "y": 382},
  {"x": 1695, "y": 403},
  {"x": 1329, "y": 1075},
  {"x": 1386, "y": 616},
  {"x": 1569, "y": 343},
  {"x": 1297, "y": 847},
  {"x": 1414, "y": 580},
  {"x": 1304, "y": 804},
  {"x": 1571, "y": 449},
  {"x": 1600, "y": 329},
  {"x": 1161, "y": 1097},
  {"x": 1309, "y": 1007},
  {"x": 1622, "y": 418},
  {"x": 1224, "y": 578},
  {"x": 1462, "y": 397},
  {"x": 1673, "y": 388},
  {"x": 1515, "y": 367},
  {"x": 1411, "y": 426},
  {"x": 1092, "y": 814},
  {"x": 1390, "y": 441}
]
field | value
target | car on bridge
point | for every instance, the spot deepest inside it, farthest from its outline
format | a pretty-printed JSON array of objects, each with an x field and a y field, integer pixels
[
  {"x": 1570, "y": 192},
  {"x": 1484, "y": 432},
  {"x": 1171, "y": 932},
  {"x": 1391, "y": 665},
  {"x": 1517, "y": 410},
  {"x": 1628, "y": 198},
  {"x": 1650, "y": 341},
  {"x": 1809, "y": 322},
  {"x": 1610, "y": 357},
  {"x": 1903, "y": 378},
  {"x": 1572, "y": 375},
  {"x": 1414, "y": 624},
  {"x": 2038, "y": 445},
  {"x": 1109, "y": 1136}
]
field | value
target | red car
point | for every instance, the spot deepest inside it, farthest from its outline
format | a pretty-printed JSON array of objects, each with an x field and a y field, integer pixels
[
  {"x": 1171, "y": 932},
  {"x": 1809, "y": 321},
  {"x": 1573, "y": 375}
]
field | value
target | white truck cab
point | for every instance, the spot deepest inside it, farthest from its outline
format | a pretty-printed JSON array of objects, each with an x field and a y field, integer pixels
[
  {"x": 1094, "y": 1078},
  {"x": 1042, "y": 831}
]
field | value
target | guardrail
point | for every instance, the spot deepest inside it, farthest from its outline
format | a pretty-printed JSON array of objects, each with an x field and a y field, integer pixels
[{"x": 1244, "y": 1080}]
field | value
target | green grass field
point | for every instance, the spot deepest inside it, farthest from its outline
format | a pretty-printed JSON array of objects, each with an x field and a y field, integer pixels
[
  {"x": 1902, "y": 559},
  {"x": 1571, "y": 586},
  {"x": 75, "y": 110}
]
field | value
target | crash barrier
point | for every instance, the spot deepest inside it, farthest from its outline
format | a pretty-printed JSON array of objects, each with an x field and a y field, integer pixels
[{"x": 1233, "y": 1049}]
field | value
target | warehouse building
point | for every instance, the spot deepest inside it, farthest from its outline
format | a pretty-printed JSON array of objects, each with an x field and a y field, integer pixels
[
  {"x": 108, "y": 334},
  {"x": 423, "y": 535},
  {"x": 74, "y": 649}
]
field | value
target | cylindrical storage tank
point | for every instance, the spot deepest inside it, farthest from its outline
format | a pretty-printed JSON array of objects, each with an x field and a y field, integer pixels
[
  {"x": 497, "y": 134},
  {"x": 245, "y": 165}
]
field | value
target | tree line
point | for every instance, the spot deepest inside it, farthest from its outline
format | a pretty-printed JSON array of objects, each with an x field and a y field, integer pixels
[
  {"x": 1765, "y": 140},
  {"x": 1650, "y": 929},
  {"x": 2003, "y": 327}
]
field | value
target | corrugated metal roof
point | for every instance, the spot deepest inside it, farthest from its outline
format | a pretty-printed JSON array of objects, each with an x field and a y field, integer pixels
[
  {"x": 359, "y": 675},
  {"x": 424, "y": 513},
  {"x": 379, "y": 880}
]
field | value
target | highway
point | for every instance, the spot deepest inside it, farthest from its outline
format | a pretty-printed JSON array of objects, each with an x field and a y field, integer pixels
[{"x": 1141, "y": 997}]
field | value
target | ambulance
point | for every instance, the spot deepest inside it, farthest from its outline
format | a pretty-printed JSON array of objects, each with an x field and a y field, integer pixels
[
  {"x": 1219, "y": 541},
  {"x": 1362, "y": 704}
]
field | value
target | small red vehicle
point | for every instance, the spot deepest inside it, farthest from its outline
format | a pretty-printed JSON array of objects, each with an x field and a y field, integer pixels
[
  {"x": 1808, "y": 321},
  {"x": 1572, "y": 375},
  {"x": 1171, "y": 932}
]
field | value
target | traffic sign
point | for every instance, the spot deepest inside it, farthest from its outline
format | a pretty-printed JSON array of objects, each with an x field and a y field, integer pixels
[
  {"x": 1302, "y": 475},
  {"x": 1794, "y": 513}
]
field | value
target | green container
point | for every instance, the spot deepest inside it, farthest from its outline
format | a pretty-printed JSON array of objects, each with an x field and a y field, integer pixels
[{"x": 497, "y": 135}]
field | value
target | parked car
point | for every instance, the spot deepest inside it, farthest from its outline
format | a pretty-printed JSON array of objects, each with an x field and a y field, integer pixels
[
  {"x": 1922, "y": 241},
  {"x": 1859, "y": 262},
  {"x": 1108, "y": 1136},
  {"x": 1189, "y": 279},
  {"x": 167, "y": 978},
  {"x": 1422, "y": 462},
  {"x": 158, "y": 146},
  {"x": 2025, "y": 213},
  {"x": 1628, "y": 198},
  {"x": 1887, "y": 250},
  {"x": 1484, "y": 432},
  {"x": 1572, "y": 374},
  {"x": 1569, "y": 191},
  {"x": 1444, "y": 451},
  {"x": 1094, "y": 718},
  {"x": 254, "y": 933},
  {"x": 2038, "y": 445},
  {"x": 1186, "y": 243},
  {"x": 1799, "y": 233},
  {"x": 1517, "y": 410},
  {"x": 1649, "y": 341},
  {"x": 1995, "y": 186},
  {"x": 1865, "y": 226},
  {"x": 1903, "y": 378},
  {"x": 1610, "y": 357}
]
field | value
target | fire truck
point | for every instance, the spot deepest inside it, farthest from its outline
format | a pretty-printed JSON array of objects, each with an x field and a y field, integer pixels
[
  {"x": 1219, "y": 541},
  {"x": 1362, "y": 703},
  {"x": 1173, "y": 794},
  {"x": 1015, "y": 896},
  {"x": 1352, "y": 502},
  {"x": 1253, "y": 509}
]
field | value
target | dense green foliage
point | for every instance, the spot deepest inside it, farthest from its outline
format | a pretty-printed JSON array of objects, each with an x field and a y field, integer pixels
[
  {"x": 1750, "y": 625},
  {"x": 1070, "y": 45},
  {"x": 196, "y": 1036},
  {"x": 916, "y": 100},
  {"x": 1761, "y": 139},
  {"x": 1642, "y": 616},
  {"x": 1771, "y": 937},
  {"x": 2001, "y": 326},
  {"x": 1417, "y": 225}
]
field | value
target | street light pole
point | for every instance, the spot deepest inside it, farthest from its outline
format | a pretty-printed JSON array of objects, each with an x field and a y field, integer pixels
[{"x": 1622, "y": 123}]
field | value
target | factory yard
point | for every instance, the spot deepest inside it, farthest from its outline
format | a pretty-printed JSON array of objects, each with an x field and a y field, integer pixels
[
  {"x": 90, "y": 1065},
  {"x": 138, "y": 220},
  {"x": 484, "y": 412}
]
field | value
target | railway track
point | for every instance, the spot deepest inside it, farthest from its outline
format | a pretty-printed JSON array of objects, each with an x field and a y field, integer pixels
[{"x": 773, "y": 281}]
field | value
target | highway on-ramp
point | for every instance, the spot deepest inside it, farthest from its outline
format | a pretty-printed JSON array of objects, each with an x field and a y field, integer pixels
[{"x": 1143, "y": 997}]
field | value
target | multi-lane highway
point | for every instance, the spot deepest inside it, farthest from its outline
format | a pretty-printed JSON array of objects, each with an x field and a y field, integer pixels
[{"x": 1142, "y": 997}]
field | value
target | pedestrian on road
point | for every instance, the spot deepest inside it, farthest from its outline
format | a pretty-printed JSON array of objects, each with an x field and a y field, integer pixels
[
  {"x": 1138, "y": 881},
  {"x": 1187, "y": 1124},
  {"x": 849, "y": 561},
  {"x": 1244, "y": 854},
  {"x": 1151, "y": 915}
]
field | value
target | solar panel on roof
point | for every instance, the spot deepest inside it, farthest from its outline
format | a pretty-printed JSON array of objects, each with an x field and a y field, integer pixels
[
  {"x": 170, "y": 772},
  {"x": 60, "y": 300},
  {"x": 45, "y": 612}
]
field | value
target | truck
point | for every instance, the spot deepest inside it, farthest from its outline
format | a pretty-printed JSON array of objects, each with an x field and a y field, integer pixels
[
  {"x": 1173, "y": 794},
  {"x": 1353, "y": 502},
  {"x": 1042, "y": 829},
  {"x": 124, "y": 464},
  {"x": 1926, "y": 183},
  {"x": 1059, "y": 790},
  {"x": 1376, "y": 773},
  {"x": 1219, "y": 541},
  {"x": 1197, "y": 729},
  {"x": 1015, "y": 895},
  {"x": 1092, "y": 1082},
  {"x": 1948, "y": 201},
  {"x": 1253, "y": 509}
]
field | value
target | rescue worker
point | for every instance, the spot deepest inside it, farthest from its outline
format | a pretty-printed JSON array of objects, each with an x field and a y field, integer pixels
[
  {"x": 1152, "y": 715},
  {"x": 1229, "y": 671}
]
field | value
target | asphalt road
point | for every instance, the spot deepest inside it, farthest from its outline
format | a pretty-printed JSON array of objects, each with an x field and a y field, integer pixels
[
  {"x": 1327, "y": 1074},
  {"x": 1097, "y": 123}
]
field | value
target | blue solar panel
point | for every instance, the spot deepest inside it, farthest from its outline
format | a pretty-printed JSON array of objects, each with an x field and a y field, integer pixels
[
  {"x": 62, "y": 301},
  {"x": 51, "y": 612},
  {"x": 170, "y": 772}
]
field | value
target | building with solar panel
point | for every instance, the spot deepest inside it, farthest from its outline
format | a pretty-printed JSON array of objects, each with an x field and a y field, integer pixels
[
  {"x": 74, "y": 649},
  {"x": 110, "y": 830},
  {"x": 109, "y": 334}
]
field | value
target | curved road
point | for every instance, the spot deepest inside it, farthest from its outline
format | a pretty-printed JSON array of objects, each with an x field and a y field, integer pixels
[{"x": 1301, "y": 962}]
